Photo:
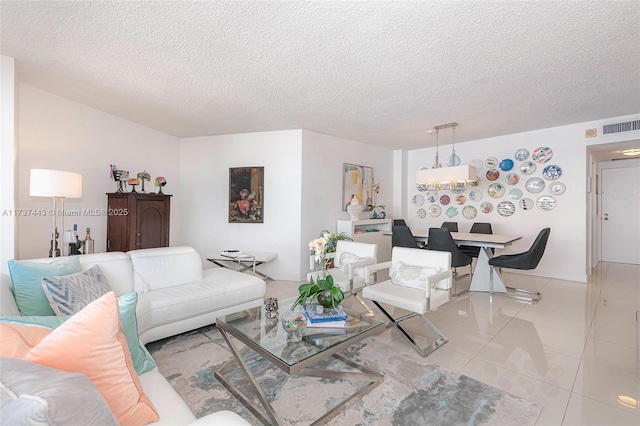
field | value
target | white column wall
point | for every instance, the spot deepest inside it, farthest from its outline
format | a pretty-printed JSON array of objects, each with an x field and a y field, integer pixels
[{"x": 8, "y": 223}]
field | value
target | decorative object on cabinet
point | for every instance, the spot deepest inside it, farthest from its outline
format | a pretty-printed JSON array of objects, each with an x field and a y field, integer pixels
[
  {"x": 119, "y": 176},
  {"x": 378, "y": 209},
  {"x": 354, "y": 208},
  {"x": 137, "y": 221},
  {"x": 160, "y": 182},
  {"x": 358, "y": 181},
  {"x": 371, "y": 231},
  {"x": 133, "y": 182},
  {"x": 143, "y": 176},
  {"x": 452, "y": 176},
  {"x": 246, "y": 195},
  {"x": 55, "y": 184}
]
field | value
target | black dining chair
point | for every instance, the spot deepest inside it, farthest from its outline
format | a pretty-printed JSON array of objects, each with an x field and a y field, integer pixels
[
  {"x": 477, "y": 228},
  {"x": 451, "y": 226},
  {"x": 401, "y": 236},
  {"x": 399, "y": 222},
  {"x": 440, "y": 239},
  {"x": 522, "y": 261}
]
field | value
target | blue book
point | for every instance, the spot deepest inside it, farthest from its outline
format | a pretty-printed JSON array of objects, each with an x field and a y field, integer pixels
[{"x": 328, "y": 315}]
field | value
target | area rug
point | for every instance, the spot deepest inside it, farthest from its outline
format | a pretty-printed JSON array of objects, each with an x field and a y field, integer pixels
[{"x": 414, "y": 391}]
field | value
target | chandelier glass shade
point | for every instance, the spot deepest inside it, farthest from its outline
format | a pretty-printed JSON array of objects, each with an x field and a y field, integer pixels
[{"x": 446, "y": 177}]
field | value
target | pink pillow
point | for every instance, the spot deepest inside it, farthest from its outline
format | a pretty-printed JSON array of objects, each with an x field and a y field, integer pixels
[{"x": 91, "y": 342}]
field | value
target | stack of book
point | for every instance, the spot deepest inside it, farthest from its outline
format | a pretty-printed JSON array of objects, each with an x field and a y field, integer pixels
[{"x": 328, "y": 318}]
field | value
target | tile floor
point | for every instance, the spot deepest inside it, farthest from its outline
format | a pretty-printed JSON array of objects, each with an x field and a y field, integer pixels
[{"x": 574, "y": 352}]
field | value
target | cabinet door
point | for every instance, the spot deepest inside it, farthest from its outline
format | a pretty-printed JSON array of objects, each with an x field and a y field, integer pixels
[
  {"x": 152, "y": 224},
  {"x": 118, "y": 225}
]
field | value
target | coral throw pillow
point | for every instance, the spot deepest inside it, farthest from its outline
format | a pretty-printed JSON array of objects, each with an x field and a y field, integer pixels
[{"x": 91, "y": 342}]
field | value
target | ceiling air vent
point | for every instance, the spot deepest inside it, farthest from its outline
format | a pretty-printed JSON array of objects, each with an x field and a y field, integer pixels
[{"x": 621, "y": 127}]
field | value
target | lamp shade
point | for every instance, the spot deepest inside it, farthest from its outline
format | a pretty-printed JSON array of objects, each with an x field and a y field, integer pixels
[
  {"x": 55, "y": 183},
  {"x": 446, "y": 174}
]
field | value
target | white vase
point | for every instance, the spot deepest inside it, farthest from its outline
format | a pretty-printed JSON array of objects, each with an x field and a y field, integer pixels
[{"x": 354, "y": 211}]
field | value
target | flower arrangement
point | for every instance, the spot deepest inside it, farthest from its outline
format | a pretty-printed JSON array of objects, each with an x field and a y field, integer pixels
[
  {"x": 378, "y": 210},
  {"x": 143, "y": 176}
]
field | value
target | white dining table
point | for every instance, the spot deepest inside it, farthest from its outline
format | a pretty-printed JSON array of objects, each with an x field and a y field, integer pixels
[{"x": 481, "y": 274}]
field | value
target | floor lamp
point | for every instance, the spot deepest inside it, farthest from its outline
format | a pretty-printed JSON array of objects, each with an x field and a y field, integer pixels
[{"x": 55, "y": 184}]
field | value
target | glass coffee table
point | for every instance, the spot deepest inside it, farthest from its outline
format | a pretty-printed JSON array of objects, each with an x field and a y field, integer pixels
[{"x": 265, "y": 338}]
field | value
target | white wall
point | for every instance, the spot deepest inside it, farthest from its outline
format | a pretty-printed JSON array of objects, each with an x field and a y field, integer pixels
[
  {"x": 204, "y": 165},
  {"x": 8, "y": 223},
  {"x": 56, "y": 133},
  {"x": 566, "y": 253},
  {"x": 323, "y": 158}
]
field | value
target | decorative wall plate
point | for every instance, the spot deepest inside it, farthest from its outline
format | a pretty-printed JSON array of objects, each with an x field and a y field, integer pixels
[
  {"x": 444, "y": 200},
  {"x": 469, "y": 212},
  {"x": 493, "y": 174},
  {"x": 453, "y": 160},
  {"x": 435, "y": 210},
  {"x": 506, "y": 208},
  {"x": 461, "y": 199},
  {"x": 512, "y": 178},
  {"x": 491, "y": 162},
  {"x": 526, "y": 204},
  {"x": 486, "y": 207},
  {"x": 542, "y": 154},
  {"x": 420, "y": 187},
  {"x": 458, "y": 189},
  {"x": 495, "y": 190},
  {"x": 557, "y": 188},
  {"x": 534, "y": 185},
  {"x": 527, "y": 168},
  {"x": 522, "y": 154},
  {"x": 515, "y": 193},
  {"x": 431, "y": 198},
  {"x": 422, "y": 213},
  {"x": 475, "y": 195},
  {"x": 546, "y": 202},
  {"x": 506, "y": 164},
  {"x": 418, "y": 200},
  {"x": 552, "y": 172},
  {"x": 477, "y": 163},
  {"x": 452, "y": 211}
]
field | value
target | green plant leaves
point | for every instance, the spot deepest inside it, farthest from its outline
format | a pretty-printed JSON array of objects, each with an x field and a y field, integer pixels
[{"x": 309, "y": 291}]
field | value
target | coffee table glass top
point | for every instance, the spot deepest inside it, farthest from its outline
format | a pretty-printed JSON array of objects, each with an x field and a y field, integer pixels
[{"x": 269, "y": 338}]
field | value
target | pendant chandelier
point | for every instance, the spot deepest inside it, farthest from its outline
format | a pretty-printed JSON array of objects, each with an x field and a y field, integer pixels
[{"x": 451, "y": 177}]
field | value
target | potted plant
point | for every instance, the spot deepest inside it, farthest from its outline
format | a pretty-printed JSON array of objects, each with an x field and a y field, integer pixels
[{"x": 324, "y": 292}]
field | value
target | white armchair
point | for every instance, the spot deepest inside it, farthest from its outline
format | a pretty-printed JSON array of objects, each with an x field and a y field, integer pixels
[
  {"x": 420, "y": 281},
  {"x": 349, "y": 262}
]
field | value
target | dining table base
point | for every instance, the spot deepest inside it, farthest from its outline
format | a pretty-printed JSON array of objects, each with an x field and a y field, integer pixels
[{"x": 481, "y": 280}]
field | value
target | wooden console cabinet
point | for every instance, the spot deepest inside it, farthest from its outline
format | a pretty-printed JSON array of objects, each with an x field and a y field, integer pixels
[{"x": 137, "y": 221}]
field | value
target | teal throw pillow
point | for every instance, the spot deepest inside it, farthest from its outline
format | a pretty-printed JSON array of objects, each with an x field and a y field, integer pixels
[
  {"x": 27, "y": 282},
  {"x": 142, "y": 361}
]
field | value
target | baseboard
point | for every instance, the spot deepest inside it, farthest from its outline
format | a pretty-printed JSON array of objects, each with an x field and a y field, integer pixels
[{"x": 551, "y": 273}]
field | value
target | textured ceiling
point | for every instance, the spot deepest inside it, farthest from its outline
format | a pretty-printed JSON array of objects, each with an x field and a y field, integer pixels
[{"x": 381, "y": 73}]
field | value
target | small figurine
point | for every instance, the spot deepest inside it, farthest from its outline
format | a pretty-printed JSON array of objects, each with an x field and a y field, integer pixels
[
  {"x": 160, "y": 182},
  {"x": 143, "y": 176}
]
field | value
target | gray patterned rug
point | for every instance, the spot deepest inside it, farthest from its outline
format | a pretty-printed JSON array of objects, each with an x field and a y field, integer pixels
[{"x": 414, "y": 391}]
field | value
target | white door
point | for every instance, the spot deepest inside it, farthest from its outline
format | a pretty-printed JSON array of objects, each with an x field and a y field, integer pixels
[{"x": 621, "y": 215}]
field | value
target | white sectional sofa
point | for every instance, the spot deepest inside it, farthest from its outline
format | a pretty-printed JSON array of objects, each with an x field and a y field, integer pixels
[{"x": 174, "y": 295}]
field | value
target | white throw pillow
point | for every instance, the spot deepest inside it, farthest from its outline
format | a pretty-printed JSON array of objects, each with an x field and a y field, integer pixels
[
  {"x": 347, "y": 258},
  {"x": 412, "y": 276}
]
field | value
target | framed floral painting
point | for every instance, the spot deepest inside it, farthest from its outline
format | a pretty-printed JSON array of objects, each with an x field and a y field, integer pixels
[
  {"x": 358, "y": 181},
  {"x": 246, "y": 194}
]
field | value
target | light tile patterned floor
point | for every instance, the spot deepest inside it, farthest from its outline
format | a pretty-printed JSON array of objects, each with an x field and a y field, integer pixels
[{"x": 574, "y": 352}]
